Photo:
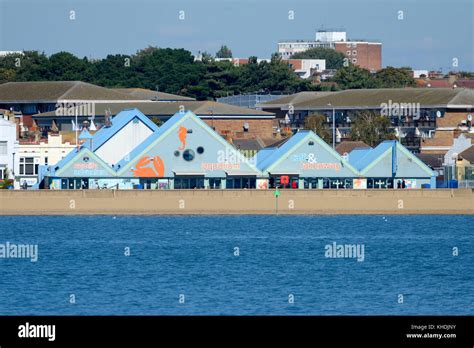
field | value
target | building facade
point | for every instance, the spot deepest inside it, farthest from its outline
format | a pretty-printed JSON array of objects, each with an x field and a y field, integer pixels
[
  {"x": 31, "y": 157},
  {"x": 185, "y": 153},
  {"x": 7, "y": 148},
  {"x": 365, "y": 54}
]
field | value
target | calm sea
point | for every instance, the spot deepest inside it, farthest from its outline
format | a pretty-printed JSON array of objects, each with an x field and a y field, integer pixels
[{"x": 239, "y": 265}]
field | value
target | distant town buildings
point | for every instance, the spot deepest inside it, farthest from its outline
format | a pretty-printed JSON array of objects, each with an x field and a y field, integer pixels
[
  {"x": 427, "y": 120},
  {"x": 304, "y": 68},
  {"x": 6, "y": 53},
  {"x": 365, "y": 54}
]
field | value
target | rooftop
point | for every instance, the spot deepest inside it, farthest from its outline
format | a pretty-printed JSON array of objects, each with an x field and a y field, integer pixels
[
  {"x": 53, "y": 91},
  {"x": 142, "y": 93},
  {"x": 366, "y": 98},
  {"x": 204, "y": 109},
  {"x": 468, "y": 154},
  {"x": 348, "y": 146}
]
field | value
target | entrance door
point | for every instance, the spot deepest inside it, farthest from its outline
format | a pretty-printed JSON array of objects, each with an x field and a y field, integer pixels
[
  {"x": 84, "y": 183},
  {"x": 189, "y": 182}
]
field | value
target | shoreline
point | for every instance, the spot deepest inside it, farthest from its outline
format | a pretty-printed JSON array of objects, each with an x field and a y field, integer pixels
[{"x": 237, "y": 202}]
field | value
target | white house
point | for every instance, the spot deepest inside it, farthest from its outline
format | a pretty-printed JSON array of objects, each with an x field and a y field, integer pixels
[
  {"x": 7, "y": 146},
  {"x": 30, "y": 156},
  {"x": 461, "y": 143}
]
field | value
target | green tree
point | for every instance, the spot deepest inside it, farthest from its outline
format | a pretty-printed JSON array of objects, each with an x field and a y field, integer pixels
[
  {"x": 334, "y": 59},
  {"x": 316, "y": 123},
  {"x": 29, "y": 66},
  {"x": 64, "y": 66},
  {"x": 371, "y": 128},
  {"x": 391, "y": 77},
  {"x": 354, "y": 77},
  {"x": 224, "y": 52}
]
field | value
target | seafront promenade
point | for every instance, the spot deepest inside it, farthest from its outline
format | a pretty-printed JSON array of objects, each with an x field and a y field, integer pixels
[{"x": 148, "y": 202}]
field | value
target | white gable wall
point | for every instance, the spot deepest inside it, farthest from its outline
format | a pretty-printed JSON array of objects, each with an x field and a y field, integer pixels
[{"x": 123, "y": 142}]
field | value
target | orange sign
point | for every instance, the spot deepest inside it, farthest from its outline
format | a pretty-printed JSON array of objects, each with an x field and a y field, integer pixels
[
  {"x": 182, "y": 132},
  {"x": 149, "y": 167},
  {"x": 284, "y": 179}
]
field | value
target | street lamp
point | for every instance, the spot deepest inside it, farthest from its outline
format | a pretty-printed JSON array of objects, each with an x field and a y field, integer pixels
[
  {"x": 333, "y": 126},
  {"x": 13, "y": 169}
]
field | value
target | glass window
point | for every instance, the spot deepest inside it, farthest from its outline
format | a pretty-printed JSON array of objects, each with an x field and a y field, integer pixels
[
  {"x": 214, "y": 183},
  {"x": 3, "y": 147},
  {"x": 27, "y": 166},
  {"x": 237, "y": 183},
  {"x": 200, "y": 150},
  {"x": 188, "y": 155}
]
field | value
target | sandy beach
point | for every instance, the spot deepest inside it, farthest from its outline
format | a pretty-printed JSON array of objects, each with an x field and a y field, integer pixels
[{"x": 183, "y": 202}]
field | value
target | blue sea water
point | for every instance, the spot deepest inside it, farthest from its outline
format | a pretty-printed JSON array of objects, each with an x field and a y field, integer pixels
[{"x": 278, "y": 255}]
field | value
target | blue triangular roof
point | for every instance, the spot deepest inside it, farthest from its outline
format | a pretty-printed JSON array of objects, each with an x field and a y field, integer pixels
[
  {"x": 85, "y": 135},
  {"x": 261, "y": 155},
  {"x": 51, "y": 169},
  {"x": 118, "y": 122},
  {"x": 361, "y": 159},
  {"x": 158, "y": 133},
  {"x": 357, "y": 154},
  {"x": 269, "y": 158}
]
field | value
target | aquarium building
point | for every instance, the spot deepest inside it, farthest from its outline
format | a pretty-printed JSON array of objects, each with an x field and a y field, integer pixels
[
  {"x": 186, "y": 153},
  {"x": 133, "y": 152},
  {"x": 305, "y": 161}
]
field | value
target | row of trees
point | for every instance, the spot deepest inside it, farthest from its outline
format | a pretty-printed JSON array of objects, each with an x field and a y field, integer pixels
[
  {"x": 164, "y": 69},
  {"x": 176, "y": 71}
]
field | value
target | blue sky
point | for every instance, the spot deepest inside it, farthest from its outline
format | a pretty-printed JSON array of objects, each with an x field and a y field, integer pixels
[{"x": 432, "y": 33}]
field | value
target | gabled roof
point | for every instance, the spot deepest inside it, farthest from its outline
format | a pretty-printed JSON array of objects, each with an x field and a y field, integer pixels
[
  {"x": 364, "y": 157},
  {"x": 348, "y": 146},
  {"x": 292, "y": 99},
  {"x": 56, "y": 169},
  {"x": 53, "y": 91},
  {"x": 248, "y": 144},
  {"x": 142, "y": 93},
  {"x": 164, "y": 130},
  {"x": 374, "y": 98},
  {"x": 62, "y": 166},
  {"x": 118, "y": 122},
  {"x": 357, "y": 154},
  {"x": 263, "y": 154},
  {"x": 152, "y": 138},
  {"x": 271, "y": 159},
  {"x": 468, "y": 154},
  {"x": 203, "y": 109},
  {"x": 432, "y": 160}
]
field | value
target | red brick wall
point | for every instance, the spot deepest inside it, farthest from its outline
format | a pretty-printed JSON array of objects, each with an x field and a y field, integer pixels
[
  {"x": 452, "y": 119},
  {"x": 235, "y": 127},
  {"x": 369, "y": 56}
]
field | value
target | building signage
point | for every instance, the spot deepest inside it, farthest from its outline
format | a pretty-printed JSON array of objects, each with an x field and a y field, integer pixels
[
  {"x": 88, "y": 169},
  {"x": 308, "y": 161},
  {"x": 219, "y": 166}
]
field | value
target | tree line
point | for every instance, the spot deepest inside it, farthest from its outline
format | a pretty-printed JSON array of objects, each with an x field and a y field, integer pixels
[{"x": 176, "y": 71}]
